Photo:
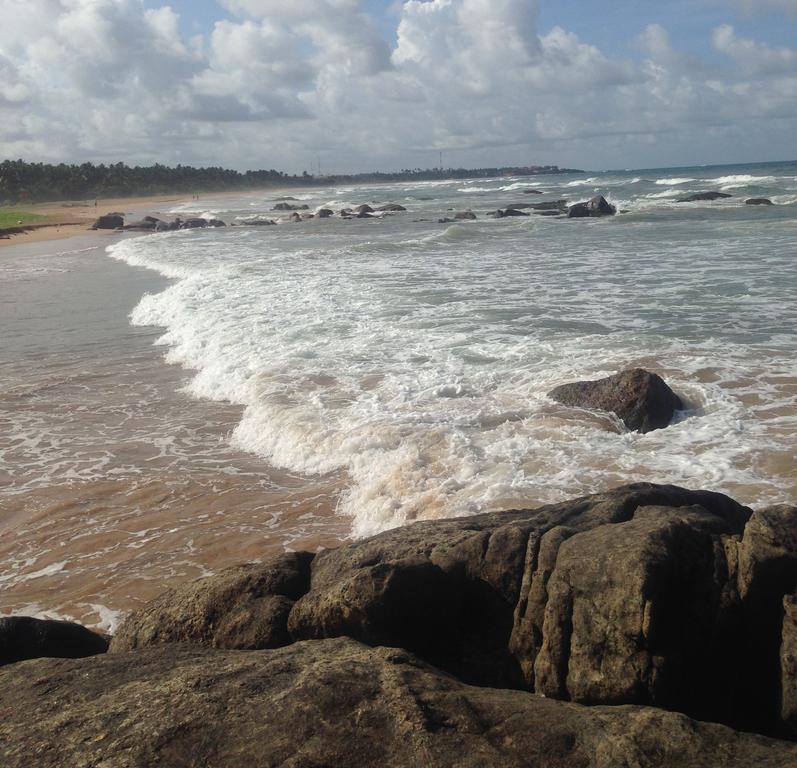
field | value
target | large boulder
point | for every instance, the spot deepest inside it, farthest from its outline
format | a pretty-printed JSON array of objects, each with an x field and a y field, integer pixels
[
  {"x": 109, "y": 221},
  {"x": 577, "y": 600},
  {"x": 241, "y": 607},
  {"x": 330, "y": 703},
  {"x": 758, "y": 201},
  {"x": 597, "y": 206},
  {"x": 642, "y": 400},
  {"x": 365, "y": 208},
  {"x": 701, "y": 196},
  {"x": 325, "y": 213},
  {"x": 23, "y": 637}
]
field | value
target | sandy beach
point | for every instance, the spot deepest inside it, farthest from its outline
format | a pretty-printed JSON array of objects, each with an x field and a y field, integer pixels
[{"x": 67, "y": 219}]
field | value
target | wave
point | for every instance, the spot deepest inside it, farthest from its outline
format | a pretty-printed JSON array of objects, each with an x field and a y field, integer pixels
[
  {"x": 421, "y": 371},
  {"x": 673, "y": 182}
]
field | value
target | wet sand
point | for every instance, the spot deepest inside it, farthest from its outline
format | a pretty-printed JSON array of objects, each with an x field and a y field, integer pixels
[{"x": 115, "y": 484}]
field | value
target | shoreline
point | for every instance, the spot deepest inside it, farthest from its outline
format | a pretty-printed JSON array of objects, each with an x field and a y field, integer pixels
[{"x": 69, "y": 218}]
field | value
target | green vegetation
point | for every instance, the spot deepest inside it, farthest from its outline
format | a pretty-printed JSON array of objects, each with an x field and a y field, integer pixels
[
  {"x": 21, "y": 181},
  {"x": 11, "y": 217}
]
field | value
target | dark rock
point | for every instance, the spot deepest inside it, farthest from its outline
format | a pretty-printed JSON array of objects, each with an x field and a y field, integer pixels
[
  {"x": 325, "y": 213},
  {"x": 788, "y": 666},
  {"x": 512, "y": 212},
  {"x": 532, "y": 192},
  {"x": 22, "y": 637},
  {"x": 597, "y": 206},
  {"x": 551, "y": 205},
  {"x": 394, "y": 207},
  {"x": 547, "y": 213},
  {"x": 465, "y": 215},
  {"x": 702, "y": 196},
  {"x": 445, "y": 221},
  {"x": 767, "y": 570},
  {"x": 641, "y": 400},
  {"x": 577, "y": 600},
  {"x": 758, "y": 201},
  {"x": 109, "y": 221},
  {"x": 241, "y": 607},
  {"x": 257, "y": 222},
  {"x": 289, "y": 207},
  {"x": 194, "y": 224},
  {"x": 363, "y": 209},
  {"x": 216, "y": 223},
  {"x": 277, "y": 199},
  {"x": 294, "y": 218},
  {"x": 330, "y": 703}
]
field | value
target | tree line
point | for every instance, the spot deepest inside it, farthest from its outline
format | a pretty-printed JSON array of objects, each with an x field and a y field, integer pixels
[{"x": 20, "y": 180}]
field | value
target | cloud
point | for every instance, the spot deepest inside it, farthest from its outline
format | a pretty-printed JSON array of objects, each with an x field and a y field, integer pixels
[
  {"x": 277, "y": 82},
  {"x": 754, "y": 58}
]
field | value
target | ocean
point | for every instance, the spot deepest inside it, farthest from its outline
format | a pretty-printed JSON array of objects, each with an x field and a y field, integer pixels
[{"x": 182, "y": 401}]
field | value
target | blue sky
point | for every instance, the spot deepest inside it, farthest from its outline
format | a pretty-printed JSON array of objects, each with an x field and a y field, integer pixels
[{"x": 378, "y": 84}]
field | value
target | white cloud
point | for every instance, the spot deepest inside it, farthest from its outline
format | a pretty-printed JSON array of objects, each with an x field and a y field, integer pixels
[
  {"x": 752, "y": 57},
  {"x": 280, "y": 81}
]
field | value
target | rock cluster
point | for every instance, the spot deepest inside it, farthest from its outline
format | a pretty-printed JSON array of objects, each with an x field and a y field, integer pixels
[{"x": 656, "y": 598}]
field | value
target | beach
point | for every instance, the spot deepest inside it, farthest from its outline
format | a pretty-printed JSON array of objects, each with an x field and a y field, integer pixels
[{"x": 179, "y": 402}]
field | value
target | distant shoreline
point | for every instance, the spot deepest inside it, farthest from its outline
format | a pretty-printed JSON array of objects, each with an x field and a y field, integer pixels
[{"x": 68, "y": 218}]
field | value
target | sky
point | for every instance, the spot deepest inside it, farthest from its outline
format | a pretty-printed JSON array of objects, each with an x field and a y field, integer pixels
[{"x": 362, "y": 85}]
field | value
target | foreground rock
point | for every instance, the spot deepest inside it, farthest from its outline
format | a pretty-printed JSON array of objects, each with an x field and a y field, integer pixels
[
  {"x": 245, "y": 607},
  {"x": 329, "y": 703},
  {"x": 22, "y": 637},
  {"x": 597, "y": 206},
  {"x": 702, "y": 196},
  {"x": 642, "y": 400},
  {"x": 648, "y": 595},
  {"x": 758, "y": 201}
]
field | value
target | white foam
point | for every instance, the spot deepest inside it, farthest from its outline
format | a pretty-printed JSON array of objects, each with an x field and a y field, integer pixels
[
  {"x": 673, "y": 182},
  {"x": 419, "y": 365}
]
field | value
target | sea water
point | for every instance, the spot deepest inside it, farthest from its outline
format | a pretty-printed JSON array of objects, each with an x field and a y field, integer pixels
[{"x": 415, "y": 356}]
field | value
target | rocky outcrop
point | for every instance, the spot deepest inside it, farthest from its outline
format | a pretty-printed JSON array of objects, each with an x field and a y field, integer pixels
[
  {"x": 290, "y": 207},
  {"x": 597, "y": 206},
  {"x": 700, "y": 196},
  {"x": 503, "y": 213},
  {"x": 258, "y": 222},
  {"x": 23, "y": 637},
  {"x": 245, "y": 607},
  {"x": 109, "y": 221},
  {"x": 758, "y": 201},
  {"x": 194, "y": 223},
  {"x": 642, "y": 400},
  {"x": 330, "y": 703},
  {"x": 325, "y": 213},
  {"x": 391, "y": 207},
  {"x": 365, "y": 208}
]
